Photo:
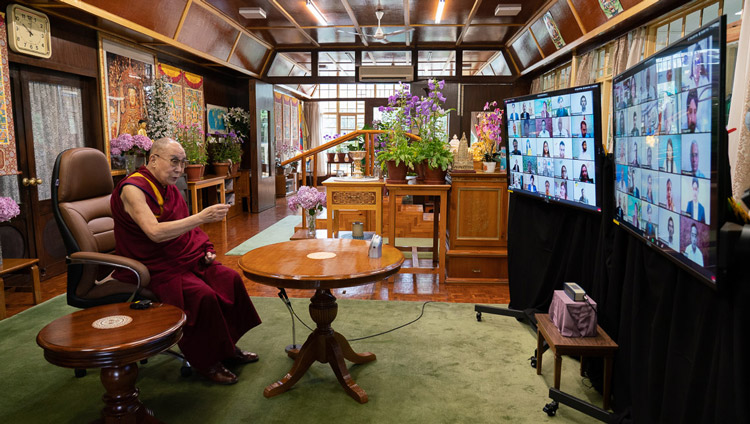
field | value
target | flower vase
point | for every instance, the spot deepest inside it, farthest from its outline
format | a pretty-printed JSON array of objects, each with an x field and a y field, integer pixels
[
  {"x": 140, "y": 160},
  {"x": 311, "y": 218},
  {"x": 130, "y": 163},
  {"x": 488, "y": 166}
]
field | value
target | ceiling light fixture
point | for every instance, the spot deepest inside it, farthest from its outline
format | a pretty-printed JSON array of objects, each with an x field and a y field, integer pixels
[
  {"x": 439, "y": 13},
  {"x": 507, "y": 9},
  {"x": 252, "y": 13},
  {"x": 315, "y": 11}
]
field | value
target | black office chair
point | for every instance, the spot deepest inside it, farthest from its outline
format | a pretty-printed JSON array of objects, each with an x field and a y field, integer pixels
[{"x": 82, "y": 187}]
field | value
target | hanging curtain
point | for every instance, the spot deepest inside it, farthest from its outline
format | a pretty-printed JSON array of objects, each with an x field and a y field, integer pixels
[
  {"x": 636, "y": 48},
  {"x": 583, "y": 72},
  {"x": 620, "y": 55},
  {"x": 739, "y": 113},
  {"x": 311, "y": 112},
  {"x": 536, "y": 85}
]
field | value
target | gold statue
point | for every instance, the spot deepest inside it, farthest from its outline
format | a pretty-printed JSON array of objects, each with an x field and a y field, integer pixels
[
  {"x": 463, "y": 161},
  {"x": 142, "y": 127}
]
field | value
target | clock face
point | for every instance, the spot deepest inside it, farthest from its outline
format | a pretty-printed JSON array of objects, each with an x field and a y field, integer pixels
[{"x": 29, "y": 31}]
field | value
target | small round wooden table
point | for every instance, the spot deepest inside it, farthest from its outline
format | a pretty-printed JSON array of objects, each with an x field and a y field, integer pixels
[
  {"x": 113, "y": 337},
  {"x": 321, "y": 265}
]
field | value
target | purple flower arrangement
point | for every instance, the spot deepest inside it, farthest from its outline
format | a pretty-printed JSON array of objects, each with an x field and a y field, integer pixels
[
  {"x": 308, "y": 198},
  {"x": 129, "y": 144},
  {"x": 8, "y": 209},
  {"x": 489, "y": 132}
]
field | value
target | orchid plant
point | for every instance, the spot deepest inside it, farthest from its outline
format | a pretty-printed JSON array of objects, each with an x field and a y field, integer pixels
[
  {"x": 191, "y": 139},
  {"x": 489, "y": 131},
  {"x": 225, "y": 147},
  {"x": 422, "y": 115}
]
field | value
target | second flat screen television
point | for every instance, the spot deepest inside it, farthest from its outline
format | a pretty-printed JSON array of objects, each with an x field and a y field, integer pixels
[
  {"x": 668, "y": 145},
  {"x": 555, "y": 147}
]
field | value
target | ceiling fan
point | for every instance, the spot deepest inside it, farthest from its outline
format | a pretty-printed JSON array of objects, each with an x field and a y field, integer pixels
[{"x": 379, "y": 36}]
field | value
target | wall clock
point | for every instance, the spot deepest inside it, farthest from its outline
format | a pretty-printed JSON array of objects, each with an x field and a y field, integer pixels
[{"x": 28, "y": 31}]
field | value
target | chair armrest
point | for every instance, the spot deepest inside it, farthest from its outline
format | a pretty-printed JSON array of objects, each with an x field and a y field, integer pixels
[{"x": 142, "y": 275}]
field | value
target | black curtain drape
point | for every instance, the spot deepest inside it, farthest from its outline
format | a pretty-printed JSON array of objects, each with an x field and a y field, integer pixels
[{"x": 681, "y": 344}]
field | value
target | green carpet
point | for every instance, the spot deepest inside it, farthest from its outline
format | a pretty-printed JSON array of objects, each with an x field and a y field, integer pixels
[
  {"x": 284, "y": 230},
  {"x": 445, "y": 368}
]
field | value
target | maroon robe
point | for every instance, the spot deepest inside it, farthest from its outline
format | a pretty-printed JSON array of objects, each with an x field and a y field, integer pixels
[{"x": 214, "y": 298}]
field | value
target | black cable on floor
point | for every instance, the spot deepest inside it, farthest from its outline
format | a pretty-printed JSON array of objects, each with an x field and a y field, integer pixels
[{"x": 289, "y": 306}]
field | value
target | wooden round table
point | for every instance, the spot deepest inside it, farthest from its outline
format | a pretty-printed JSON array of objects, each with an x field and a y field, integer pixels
[
  {"x": 321, "y": 265},
  {"x": 113, "y": 337}
]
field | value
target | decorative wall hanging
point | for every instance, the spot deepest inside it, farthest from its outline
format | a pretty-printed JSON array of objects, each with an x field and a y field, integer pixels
[
  {"x": 554, "y": 32},
  {"x": 186, "y": 103},
  {"x": 8, "y": 159},
  {"x": 215, "y": 119},
  {"x": 611, "y": 8},
  {"x": 125, "y": 73}
]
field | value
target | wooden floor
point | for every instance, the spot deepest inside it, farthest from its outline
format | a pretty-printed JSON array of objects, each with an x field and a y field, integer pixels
[{"x": 225, "y": 236}]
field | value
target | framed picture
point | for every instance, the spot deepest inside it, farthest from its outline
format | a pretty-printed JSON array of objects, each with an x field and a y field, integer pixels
[
  {"x": 126, "y": 73},
  {"x": 215, "y": 119}
]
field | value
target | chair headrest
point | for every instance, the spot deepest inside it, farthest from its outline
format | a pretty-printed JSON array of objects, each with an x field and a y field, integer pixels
[{"x": 84, "y": 173}]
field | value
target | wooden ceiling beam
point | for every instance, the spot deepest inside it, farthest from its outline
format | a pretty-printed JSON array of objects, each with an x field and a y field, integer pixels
[
  {"x": 294, "y": 22},
  {"x": 350, "y": 12},
  {"x": 473, "y": 12},
  {"x": 182, "y": 19}
]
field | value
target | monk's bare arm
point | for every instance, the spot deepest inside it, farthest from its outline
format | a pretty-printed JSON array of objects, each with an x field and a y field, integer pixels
[{"x": 134, "y": 201}]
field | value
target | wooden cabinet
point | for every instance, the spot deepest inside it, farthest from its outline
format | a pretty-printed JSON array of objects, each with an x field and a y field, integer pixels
[
  {"x": 477, "y": 228},
  {"x": 237, "y": 188},
  {"x": 285, "y": 184}
]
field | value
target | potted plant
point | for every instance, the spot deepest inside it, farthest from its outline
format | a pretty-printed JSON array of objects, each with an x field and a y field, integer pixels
[
  {"x": 437, "y": 157},
  {"x": 191, "y": 139},
  {"x": 332, "y": 152},
  {"x": 489, "y": 132},
  {"x": 133, "y": 148},
  {"x": 395, "y": 153},
  {"x": 397, "y": 158},
  {"x": 226, "y": 152}
]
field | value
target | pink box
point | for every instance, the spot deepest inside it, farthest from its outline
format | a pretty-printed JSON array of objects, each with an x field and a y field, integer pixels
[{"x": 573, "y": 319}]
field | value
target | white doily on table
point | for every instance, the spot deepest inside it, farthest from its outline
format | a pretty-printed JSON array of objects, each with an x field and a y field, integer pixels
[
  {"x": 113, "y": 321},
  {"x": 321, "y": 255}
]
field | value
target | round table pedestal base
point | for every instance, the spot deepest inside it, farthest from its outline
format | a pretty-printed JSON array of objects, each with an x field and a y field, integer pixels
[
  {"x": 121, "y": 397},
  {"x": 326, "y": 346}
]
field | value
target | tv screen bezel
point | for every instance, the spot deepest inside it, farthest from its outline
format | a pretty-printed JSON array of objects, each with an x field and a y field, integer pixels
[
  {"x": 596, "y": 89},
  {"x": 719, "y": 150}
]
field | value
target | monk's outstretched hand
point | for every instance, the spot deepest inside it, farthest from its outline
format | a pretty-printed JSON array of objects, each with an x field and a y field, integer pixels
[
  {"x": 210, "y": 256},
  {"x": 215, "y": 213}
]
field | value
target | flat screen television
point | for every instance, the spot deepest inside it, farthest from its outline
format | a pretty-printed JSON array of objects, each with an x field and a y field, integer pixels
[
  {"x": 670, "y": 149},
  {"x": 555, "y": 146}
]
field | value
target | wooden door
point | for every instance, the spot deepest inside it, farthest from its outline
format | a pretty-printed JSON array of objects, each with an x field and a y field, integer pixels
[{"x": 53, "y": 112}]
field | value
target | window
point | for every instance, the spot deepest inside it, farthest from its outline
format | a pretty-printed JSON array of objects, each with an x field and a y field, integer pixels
[
  {"x": 435, "y": 63},
  {"x": 602, "y": 67},
  {"x": 687, "y": 19}
]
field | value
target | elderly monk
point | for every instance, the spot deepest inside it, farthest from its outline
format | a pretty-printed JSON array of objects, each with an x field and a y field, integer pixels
[{"x": 152, "y": 225}]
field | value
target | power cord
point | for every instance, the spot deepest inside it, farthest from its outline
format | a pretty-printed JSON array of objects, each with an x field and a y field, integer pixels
[
  {"x": 284, "y": 298},
  {"x": 596, "y": 314}
]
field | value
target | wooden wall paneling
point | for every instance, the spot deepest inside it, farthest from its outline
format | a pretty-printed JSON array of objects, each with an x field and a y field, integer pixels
[
  {"x": 491, "y": 34},
  {"x": 543, "y": 38},
  {"x": 249, "y": 54},
  {"x": 590, "y": 13},
  {"x": 286, "y": 36},
  {"x": 566, "y": 21},
  {"x": 161, "y": 16},
  {"x": 74, "y": 50},
  {"x": 476, "y": 95},
  {"x": 436, "y": 34},
  {"x": 207, "y": 32},
  {"x": 627, "y": 4},
  {"x": 231, "y": 8},
  {"x": 526, "y": 50}
]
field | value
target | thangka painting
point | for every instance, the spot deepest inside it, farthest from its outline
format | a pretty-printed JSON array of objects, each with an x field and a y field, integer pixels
[
  {"x": 294, "y": 123},
  {"x": 611, "y": 8},
  {"x": 554, "y": 32},
  {"x": 186, "y": 104},
  {"x": 8, "y": 159},
  {"x": 127, "y": 73},
  {"x": 287, "y": 120},
  {"x": 278, "y": 118}
]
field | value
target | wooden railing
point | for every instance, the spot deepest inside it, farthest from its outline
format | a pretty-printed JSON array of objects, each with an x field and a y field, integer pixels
[{"x": 312, "y": 154}]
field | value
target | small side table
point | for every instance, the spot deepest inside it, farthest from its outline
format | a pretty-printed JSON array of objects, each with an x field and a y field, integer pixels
[
  {"x": 114, "y": 338},
  {"x": 194, "y": 186},
  {"x": 601, "y": 345},
  {"x": 13, "y": 265}
]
